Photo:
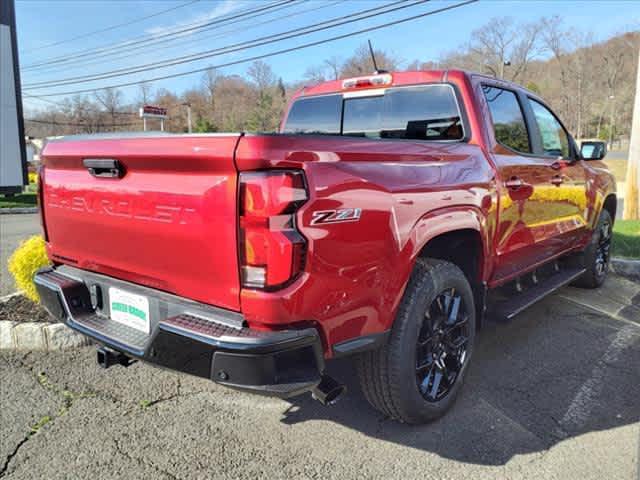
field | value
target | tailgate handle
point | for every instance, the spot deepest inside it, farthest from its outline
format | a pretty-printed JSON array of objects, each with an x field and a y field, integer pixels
[{"x": 104, "y": 167}]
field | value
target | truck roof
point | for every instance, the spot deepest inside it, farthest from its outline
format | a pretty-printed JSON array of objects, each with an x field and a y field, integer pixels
[{"x": 401, "y": 78}]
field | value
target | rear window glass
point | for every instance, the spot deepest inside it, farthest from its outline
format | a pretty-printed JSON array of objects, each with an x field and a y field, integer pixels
[
  {"x": 315, "y": 115},
  {"x": 421, "y": 113}
]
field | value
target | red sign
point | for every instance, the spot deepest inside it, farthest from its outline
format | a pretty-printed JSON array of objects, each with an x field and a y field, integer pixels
[{"x": 153, "y": 111}]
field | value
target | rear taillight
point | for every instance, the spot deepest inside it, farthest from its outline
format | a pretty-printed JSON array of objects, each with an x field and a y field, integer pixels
[
  {"x": 272, "y": 250},
  {"x": 40, "y": 199}
]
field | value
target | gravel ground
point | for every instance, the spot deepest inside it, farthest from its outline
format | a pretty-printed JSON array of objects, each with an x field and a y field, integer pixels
[
  {"x": 21, "y": 309},
  {"x": 553, "y": 395}
]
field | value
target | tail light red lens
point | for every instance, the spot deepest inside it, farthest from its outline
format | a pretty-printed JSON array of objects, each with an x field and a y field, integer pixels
[{"x": 272, "y": 250}]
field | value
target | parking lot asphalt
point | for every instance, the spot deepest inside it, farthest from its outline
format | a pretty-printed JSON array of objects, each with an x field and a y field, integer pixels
[{"x": 555, "y": 394}]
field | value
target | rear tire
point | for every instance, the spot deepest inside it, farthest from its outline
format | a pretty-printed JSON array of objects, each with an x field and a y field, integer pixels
[
  {"x": 595, "y": 257},
  {"x": 416, "y": 376}
]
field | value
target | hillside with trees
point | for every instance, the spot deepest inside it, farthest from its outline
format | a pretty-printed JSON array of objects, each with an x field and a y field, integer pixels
[{"x": 589, "y": 84}]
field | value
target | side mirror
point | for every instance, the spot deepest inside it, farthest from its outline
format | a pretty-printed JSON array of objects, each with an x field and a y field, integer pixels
[{"x": 593, "y": 150}]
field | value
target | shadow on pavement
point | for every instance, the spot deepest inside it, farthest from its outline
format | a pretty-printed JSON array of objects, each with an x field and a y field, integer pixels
[{"x": 556, "y": 372}]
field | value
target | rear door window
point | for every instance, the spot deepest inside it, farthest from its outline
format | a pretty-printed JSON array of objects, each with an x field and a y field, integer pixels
[{"x": 509, "y": 126}]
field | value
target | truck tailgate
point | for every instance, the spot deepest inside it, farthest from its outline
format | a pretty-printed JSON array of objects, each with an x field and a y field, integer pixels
[{"x": 167, "y": 222}]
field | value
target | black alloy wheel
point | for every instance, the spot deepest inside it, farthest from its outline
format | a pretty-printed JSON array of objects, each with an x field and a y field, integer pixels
[
  {"x": 416, "y": 375},
  {"x": 603, "y": 249},
  {"x": 441, "y": 349}
]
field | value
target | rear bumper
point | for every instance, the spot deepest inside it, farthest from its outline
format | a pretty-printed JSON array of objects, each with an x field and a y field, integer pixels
[{"x": 187, "y": 336}]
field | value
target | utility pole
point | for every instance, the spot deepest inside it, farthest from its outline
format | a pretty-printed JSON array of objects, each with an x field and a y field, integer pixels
[
  {"x": 505, "y": 63},
  {"x": 611, "y": 98},
  {"x": 188, "y": 105},
  {"x": 631, "y": 191}
]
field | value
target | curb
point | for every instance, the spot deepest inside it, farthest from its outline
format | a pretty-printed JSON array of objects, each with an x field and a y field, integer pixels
[
  {"x": 18, "y": 210},
  {"x": 626, "y": 268},
  {"x": 39, "y": 336},
  {"x": 19, "y": 336}
]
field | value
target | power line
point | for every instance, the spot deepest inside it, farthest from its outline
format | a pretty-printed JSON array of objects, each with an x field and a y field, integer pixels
[
  {"x": 70, "y": 124},
  {"x": 221, "y": 50},
  {"x": 93, "y": 55},
  {"x": 119, "y": 55},
  {"x": 63, "y": 105},
  {"x": 147, "y": 38},
  {"x": 271, "y": 54},
  {"x": 113, "y": 27},
  {"x": 296, "y": 32},
  {"x": 60, "y": 104}
]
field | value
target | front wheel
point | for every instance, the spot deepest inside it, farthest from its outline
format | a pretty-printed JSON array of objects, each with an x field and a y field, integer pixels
[
  {"x": 596, "y": 256},
  {"x": 417, "y": 375}
]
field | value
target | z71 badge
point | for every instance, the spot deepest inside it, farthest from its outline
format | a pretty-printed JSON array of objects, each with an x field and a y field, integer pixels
[{"x": 336, "y": 216}]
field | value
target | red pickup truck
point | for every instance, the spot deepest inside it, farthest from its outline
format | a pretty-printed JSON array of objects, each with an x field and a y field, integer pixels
[{"x": 390, "y": 215}]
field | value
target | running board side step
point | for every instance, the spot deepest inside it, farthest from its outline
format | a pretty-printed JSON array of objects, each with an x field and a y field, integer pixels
[{"x": 507, "y": 309}]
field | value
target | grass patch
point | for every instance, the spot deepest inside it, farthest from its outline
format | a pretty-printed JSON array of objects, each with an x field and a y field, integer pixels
[
  {"x": 20, "y": 200},
  {"x": 626, "y": 239}
]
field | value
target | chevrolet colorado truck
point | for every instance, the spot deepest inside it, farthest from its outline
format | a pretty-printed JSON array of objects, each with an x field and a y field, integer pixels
[{"x": 389, "y": 216}]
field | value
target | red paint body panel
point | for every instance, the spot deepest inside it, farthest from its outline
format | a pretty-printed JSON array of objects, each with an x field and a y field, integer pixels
[
  {"x": 356, "y": 272},
  {"x": 171, "y": 222}
]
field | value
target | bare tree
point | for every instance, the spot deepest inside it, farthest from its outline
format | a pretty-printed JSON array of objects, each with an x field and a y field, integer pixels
[
  {"x": 555, "y": 39},
  {"x": 209, "y": 82},
  {"x": 111, "y": 100},
  {"x": 145, "y": 93},
  {"x": 502, "y": 42},
  {"x": 262, "y": 75},
  {"x": 333, "y": 65},
  {"x": 491, "y": 44},
  {"x": 315, "y": 74},
  {"x": 526, "y": 48}
]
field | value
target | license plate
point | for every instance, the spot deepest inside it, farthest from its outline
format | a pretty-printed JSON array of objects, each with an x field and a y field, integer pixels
[{"x": 129, "y": 309}]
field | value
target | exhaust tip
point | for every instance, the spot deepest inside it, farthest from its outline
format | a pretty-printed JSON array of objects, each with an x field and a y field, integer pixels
[{"x": 328, "y": 391}]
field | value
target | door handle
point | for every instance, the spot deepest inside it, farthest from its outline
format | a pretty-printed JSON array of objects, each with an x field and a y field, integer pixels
[
  {"x": 557, "y": 180},
  {"x": 560, "y": 164},
  {"x": 104, "y": 167},
  {"x": 513, "y": 183}
]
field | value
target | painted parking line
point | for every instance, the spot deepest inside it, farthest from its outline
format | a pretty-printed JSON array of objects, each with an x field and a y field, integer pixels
[
  {"x": 583, "y": 402},
  {"x": 613, "y": 315}
]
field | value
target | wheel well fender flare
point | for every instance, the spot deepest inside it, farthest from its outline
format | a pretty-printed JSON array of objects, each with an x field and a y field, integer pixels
[{"x": 448, "y": 221}]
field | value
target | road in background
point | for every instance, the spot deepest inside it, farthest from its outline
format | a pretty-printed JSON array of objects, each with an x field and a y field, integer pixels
[
  {"x": 14, "y": 229},
  {"x": 617, "y": 155}
]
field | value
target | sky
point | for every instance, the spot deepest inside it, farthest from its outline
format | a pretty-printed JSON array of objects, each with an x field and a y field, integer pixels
[{"x": 48, "y": 30}]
